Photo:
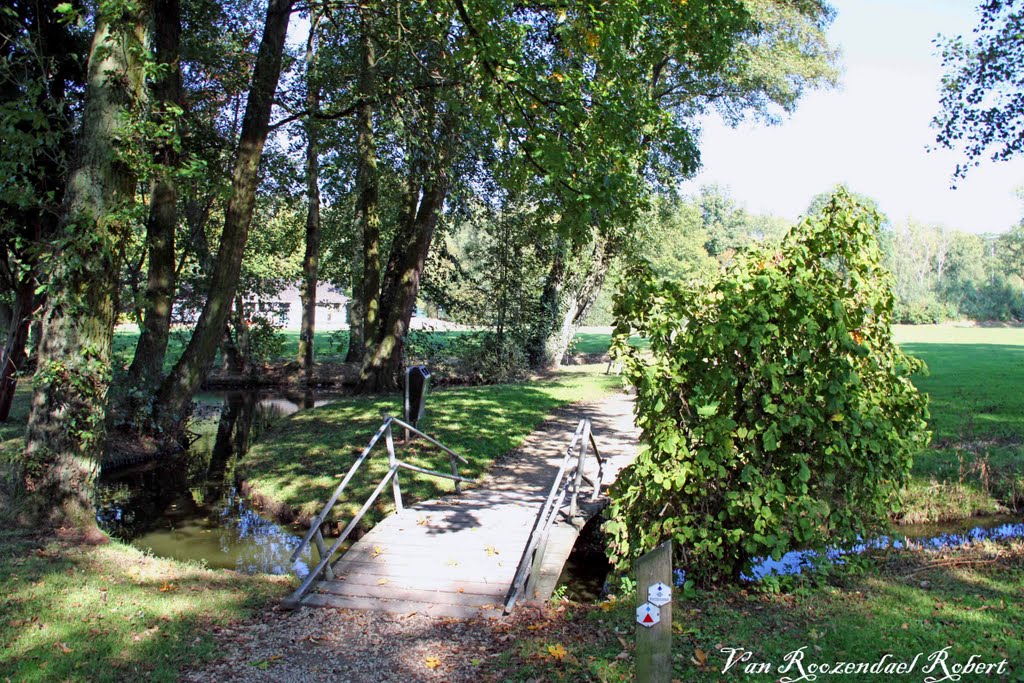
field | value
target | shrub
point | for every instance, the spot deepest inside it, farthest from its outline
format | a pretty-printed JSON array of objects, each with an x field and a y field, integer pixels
[{"x": 776, "y": 412}]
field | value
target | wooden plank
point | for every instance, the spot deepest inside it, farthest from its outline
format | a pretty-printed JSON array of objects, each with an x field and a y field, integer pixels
[
  {"x": 654, "y": 643},
  {"x": 463, "y": 545},
  {"x": 444, "y": 584},
  {"x": 406, "y": 566},
  {"x": 388, "y": 592},
  {"x": 399, "y": 607}
]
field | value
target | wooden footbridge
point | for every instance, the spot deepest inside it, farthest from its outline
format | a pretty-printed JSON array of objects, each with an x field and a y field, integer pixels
[{"x": 476, "y": 553}]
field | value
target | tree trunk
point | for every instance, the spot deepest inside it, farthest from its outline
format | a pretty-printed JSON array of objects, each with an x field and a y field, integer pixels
[
  {"x": 564, "y": 304},
  {"x": 383, "y": 360},
  {"x": 311, "y": 260},
  {"x": 356, "y": 347},
  {"x": 367, "y": 205},
  {"x": 13, "y": 354},
  {"x": 177, "y": 389},
  {"x": 235, "y": 348},
  {"x": 148, "y": 364},
  {"x": 65, "y": 427},
  {"x": 542, "y": 349},
  {"x": 57, "y": 66}
]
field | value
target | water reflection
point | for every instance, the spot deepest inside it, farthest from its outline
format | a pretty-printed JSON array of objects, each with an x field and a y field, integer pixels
[{"x": 187, "y": 507}]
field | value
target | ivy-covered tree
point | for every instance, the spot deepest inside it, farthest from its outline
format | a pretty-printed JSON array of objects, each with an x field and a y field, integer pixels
[
  {"x": 982, "y": 95},
  {"x": 776, "y": 411}
]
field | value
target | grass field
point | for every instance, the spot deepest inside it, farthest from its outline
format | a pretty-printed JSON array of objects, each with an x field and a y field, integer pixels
[{"x": 974, "y": 382}]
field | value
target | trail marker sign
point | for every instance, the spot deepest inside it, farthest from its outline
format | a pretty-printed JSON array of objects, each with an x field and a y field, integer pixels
[
  {"x": 648, "y": 615},
  {"x": 654, "y": 641},
  {"x": 659, "y": 594}
]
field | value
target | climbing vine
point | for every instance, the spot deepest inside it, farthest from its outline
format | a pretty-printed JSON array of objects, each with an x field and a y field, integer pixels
[{"x": 776, "y": 411}]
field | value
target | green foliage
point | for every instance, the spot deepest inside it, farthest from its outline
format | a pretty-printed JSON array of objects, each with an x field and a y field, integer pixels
[
  {"x": 776, "y": 411},
  {"x": 982, "y": 109},
  {"x": 266, "y": 341}
]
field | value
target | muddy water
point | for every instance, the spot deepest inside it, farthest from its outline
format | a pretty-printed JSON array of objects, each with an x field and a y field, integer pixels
[{"x": 186, "y": 507}]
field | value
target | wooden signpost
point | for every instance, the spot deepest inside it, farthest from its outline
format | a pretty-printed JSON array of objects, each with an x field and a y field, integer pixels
[{"x": 654, "y": 616}]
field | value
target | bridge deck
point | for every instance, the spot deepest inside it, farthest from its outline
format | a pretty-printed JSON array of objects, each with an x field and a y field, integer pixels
[{"x": 457, "y": 556}]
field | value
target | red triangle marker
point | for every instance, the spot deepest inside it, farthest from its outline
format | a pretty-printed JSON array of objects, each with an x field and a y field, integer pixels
[{"x": 648, "y": 620}]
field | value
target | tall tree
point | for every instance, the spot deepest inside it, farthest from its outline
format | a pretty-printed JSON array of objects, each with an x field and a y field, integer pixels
[
  {"x": 367, "y": 217},
  {"x": 151, "y": 348},
  {"x": 41, "y": 79},
  {"x": 65, "y": 427},
  {"x": 311, "y": 260},
  {"x": 179, "y": 386}
]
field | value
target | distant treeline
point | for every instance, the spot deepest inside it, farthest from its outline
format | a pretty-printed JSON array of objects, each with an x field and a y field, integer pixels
[{"x": 940, "y": 274}]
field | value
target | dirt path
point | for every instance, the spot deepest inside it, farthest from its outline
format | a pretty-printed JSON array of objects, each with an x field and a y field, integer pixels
[{"x": 349, "y": 645}]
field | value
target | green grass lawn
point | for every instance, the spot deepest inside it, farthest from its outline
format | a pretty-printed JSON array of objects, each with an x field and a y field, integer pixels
[
  {"x": 112, "y": 613},
  {"x": 974, "y": 382},
  {"x": 300, "y": 462}
]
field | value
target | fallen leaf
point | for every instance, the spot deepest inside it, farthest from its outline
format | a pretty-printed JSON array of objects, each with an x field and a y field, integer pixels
[
  {"x": 376, "y": 551},
  {"x": 700, "y": 657},
  {"x": 491, "y": 551},
  {"x": 62, "y": 647},
  {"x": 381, "y": 582},
  {"x": 168, "y": 587},
  {"x": 557, "y": 651},
  {"x": 432, "y": 662}
]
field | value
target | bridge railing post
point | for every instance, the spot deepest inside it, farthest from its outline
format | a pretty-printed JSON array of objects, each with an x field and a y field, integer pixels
[{"x": 396, "y": 489}]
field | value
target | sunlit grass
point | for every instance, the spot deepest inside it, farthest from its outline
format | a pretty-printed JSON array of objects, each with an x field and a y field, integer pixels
[
  {"x": 974, "y": 380},
  {"x": 301, "y": 461}
]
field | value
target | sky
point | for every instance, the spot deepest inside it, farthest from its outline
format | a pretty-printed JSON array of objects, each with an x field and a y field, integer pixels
[{"x": 872, "y": 133}]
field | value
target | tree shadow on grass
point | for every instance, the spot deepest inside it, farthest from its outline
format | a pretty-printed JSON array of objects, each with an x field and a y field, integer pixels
[{"x": 111, "y": 613}]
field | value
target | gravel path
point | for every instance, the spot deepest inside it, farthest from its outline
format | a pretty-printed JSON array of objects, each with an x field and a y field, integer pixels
[{"x": 348, "y": 645}]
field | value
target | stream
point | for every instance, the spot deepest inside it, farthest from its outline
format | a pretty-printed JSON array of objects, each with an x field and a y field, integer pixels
[{"x": 187, "y": 506}]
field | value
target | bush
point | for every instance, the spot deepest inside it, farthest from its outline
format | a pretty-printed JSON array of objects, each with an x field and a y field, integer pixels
[
  {"x": 776, "y": 412},
  {"x": 480, "y": 357}
]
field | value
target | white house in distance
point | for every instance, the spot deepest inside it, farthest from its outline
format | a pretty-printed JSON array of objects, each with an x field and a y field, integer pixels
[{"x": 285, "y": 308}]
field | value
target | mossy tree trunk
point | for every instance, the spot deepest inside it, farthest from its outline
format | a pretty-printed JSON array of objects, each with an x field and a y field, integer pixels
[
  {"x": 311, "y": 259},
  {"x": 427, "y": 187},
  {"x": 368, "y": 221},
  {"x": 65, "y": 427}
]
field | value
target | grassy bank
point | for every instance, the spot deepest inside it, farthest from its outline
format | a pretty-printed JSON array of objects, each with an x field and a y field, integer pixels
[
  {"x": 111, "y": 613},
  {"x": 301, "y": 461},
  {"x": 897, "y": 605}
]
